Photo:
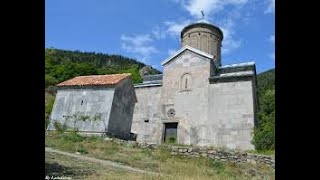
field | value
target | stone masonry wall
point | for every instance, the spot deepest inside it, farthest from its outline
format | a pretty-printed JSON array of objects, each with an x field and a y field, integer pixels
[
  {"x": 207, "y": 152},
  {"x": 146, "y": 121},
  {"x": 189, "y": 101},
  {"x": 223, "y": 155},
  {"x": 231, "y": 114},
  {"x": 87, "y": 101}
]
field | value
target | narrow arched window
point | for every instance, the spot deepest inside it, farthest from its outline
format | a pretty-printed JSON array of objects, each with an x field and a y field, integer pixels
[
  {"x": 185, "y": 82},
  {"x": 186, "y": 85}
]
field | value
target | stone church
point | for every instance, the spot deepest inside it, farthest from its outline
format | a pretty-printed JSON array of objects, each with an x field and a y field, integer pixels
[{"x": 198, "y": 100}]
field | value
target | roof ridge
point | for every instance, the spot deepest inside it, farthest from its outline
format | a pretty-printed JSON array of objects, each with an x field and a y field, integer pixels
[
  {"x": 186, "y": 47},
  {"x": 249, "y": 63},
  {"x": 105, "y": 79}
]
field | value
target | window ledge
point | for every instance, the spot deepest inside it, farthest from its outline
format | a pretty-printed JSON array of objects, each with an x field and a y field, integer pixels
[{"x": 185, "y": 90}]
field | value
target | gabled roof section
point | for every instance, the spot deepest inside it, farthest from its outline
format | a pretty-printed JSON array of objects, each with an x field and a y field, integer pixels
[
  {"x": 235, "y": 72},
  {"x": 197, "y": 51},
  {"x": 95, "y": 80},
  {"x": 233, "y": 76},
  {"x": 155, "y": 77},
  {"x": 246, "y": 66},
  {"x": 151, "y": 84},
  {"x": 238, "y": 65},
  {"x": 243, "y": 73}
]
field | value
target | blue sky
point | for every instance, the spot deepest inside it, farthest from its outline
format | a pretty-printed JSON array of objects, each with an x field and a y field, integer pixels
[{"x": 149, "y": 31}]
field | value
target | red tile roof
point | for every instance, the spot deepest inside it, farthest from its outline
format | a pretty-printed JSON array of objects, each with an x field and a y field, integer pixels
[{"x": 95, "y": 80}]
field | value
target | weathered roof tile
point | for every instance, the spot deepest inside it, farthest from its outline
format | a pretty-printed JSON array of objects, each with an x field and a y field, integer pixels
[{"x": 98, "y": 80}]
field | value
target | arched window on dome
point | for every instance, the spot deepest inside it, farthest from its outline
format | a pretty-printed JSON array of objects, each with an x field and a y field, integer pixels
[{"x": 186, "y": 82}]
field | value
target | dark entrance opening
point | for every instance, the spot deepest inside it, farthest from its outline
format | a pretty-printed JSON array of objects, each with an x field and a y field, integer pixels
[{"x": 170, "y": 132}]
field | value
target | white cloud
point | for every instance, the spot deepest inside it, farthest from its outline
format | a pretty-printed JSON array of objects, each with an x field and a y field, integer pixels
[
  {"x": 228, "y": 27},
  {"x": 49, "y": 44},
  {"x": 229, "y": 43},
  {"x": 138, "y": 44},
  {"x": 174, "y": 28},
  {"x": 271, "y": 7},
  {"x": 271, "y": 39},
  {"x": 159, "y": 33},
  {"x": 137, "y": 40},
  {"x": 212, "y": 8},
  {"x": 178, "y": 1},
  {"x": 141, "y": 45},
  {"x": 194, "y": 7}
]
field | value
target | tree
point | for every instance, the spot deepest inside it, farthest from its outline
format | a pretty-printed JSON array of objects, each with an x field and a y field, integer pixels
[
  {"x": 264, "y": 133},
  {"x": 49, "y": 80}
]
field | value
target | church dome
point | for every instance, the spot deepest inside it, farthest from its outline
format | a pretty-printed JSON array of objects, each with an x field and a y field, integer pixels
[
  {"x": 204, "y": 36},
  {"x": 204, "y": 23}
]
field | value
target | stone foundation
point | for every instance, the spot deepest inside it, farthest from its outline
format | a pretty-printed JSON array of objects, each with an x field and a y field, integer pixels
[{"x": 207, "y": 152}]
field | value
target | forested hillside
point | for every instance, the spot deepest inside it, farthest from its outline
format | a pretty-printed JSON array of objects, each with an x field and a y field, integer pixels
[
  {"x": 264, "y": 135},
  {"x": 266, "y": 81},
  {"x": 61, "y": 65}
]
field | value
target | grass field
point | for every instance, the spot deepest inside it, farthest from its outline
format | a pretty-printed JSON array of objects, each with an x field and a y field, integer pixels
[
  {"x": 158, "y": 160},
  {"x": 63, "y": 166}
]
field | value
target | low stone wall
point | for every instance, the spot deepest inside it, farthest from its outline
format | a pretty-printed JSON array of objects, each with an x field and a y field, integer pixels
[
  {"x": 223, "y": 155},
  {"x": 207, "y": 152}
]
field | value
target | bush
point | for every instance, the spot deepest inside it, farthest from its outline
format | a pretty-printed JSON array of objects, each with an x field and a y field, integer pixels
[
  {"x": 60, "y": 128},
  {"x": 171, "y": 140},
  {"x": 50, "y": 80},
  {"x": 219, "y": 167},
  {"x": 267, "y": 102},
  {"x": 49, "y": 104},
  {"x": 52, "y": 90},
  {"x": 82, "y": 150},
  {"x": 264, "y": 137},
  {"x": 264, "y": 133},
  {"x": 46, "y": 122},
  {"x": 73, "y": 137},
  {"x": 49, "y": 101}
]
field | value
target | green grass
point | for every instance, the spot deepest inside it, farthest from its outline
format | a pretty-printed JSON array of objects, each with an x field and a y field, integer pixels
[
  {"x": 263, "y": 152},
  {"x": 158, "y": 160},
  {"x": 57, "y": 165},
  {"x": 49, "y": 100}
]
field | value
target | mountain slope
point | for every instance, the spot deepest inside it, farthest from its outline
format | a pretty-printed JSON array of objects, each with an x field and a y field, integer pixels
[
  {"x": 61, "y": 65},
  {"x": 264, "y": 134},
  {"x": 266, "y": 81}
]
